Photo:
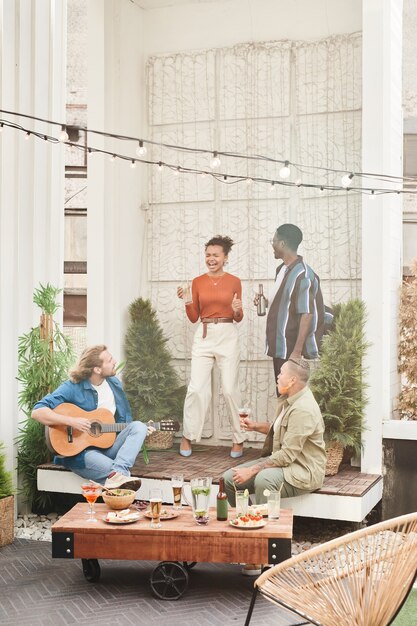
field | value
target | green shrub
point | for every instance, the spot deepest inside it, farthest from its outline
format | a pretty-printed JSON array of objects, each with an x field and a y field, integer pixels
[{"x": 338, "y": 383}]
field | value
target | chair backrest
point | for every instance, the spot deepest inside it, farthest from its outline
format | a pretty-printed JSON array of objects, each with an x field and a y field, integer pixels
[{"x": 361, "y": 578}]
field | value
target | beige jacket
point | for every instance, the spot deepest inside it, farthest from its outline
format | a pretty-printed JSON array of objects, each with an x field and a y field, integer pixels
[{"x": 297, "y": 445}]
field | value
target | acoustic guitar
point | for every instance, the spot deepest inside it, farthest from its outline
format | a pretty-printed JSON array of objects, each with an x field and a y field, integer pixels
[{"x": 66, "y": 441}]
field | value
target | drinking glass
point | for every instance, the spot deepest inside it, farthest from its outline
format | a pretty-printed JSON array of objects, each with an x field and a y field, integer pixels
[
  {"x": 156, "y": 505},
  {"x": 187, "y": 295},
  {"x": 242, "y": 502},
  {"x": 91, "y": 493},
  {"x": 274, "y": 505},
  {"x": 200, "y": 494},
  {"x": 244, "y": 411},
  {"x": 177, "y": 482}
]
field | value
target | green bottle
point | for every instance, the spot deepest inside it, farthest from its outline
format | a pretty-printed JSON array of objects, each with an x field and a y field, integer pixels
[{"x": 221, "y": 502}]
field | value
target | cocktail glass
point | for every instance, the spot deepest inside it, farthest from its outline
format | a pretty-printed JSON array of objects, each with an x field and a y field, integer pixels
[
  {"x": 200, "y": 497},
  {"x": 177, "y": 482},
  {"x": 91, "y": 493},
  {"x": 155, "y": 502},
  {"x": 242, "y": 502},
  {"x": 274, "y": 505}
]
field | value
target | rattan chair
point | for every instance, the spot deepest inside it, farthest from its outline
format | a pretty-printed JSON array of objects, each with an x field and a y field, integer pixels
[{"x": 360, "y": 579}]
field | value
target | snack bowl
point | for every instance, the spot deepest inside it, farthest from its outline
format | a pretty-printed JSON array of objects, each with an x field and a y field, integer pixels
[{"x": 118, "y": 498}]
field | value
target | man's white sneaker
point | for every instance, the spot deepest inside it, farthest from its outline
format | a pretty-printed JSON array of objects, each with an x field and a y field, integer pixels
[{"x": 116, "y": 480}]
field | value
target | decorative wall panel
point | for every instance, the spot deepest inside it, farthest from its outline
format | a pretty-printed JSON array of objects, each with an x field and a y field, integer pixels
[{"x": 296, "y": 101}]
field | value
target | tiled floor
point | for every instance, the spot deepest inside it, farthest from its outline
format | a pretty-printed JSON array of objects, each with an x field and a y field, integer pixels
[{"x": 36, "y": 590}]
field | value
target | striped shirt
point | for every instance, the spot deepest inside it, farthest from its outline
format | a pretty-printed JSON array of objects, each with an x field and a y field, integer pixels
[{"x": 298, "y": 293}]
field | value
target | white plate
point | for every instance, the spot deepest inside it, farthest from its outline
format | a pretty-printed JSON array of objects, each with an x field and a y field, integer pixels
[
  {"x": 120, "y": 520},
  {"x": 260, "y": 524}
]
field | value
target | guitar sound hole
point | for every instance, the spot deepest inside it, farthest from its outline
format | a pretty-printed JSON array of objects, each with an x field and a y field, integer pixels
[{"x": 95, "y": 429}]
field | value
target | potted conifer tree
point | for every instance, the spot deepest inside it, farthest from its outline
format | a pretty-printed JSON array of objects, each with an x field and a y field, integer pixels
[
  {"x": 45, "y": 355},
  {"x": 149, "y": 378},
  {"x": 6, "y": 502},
  {"x": 338, "y": 383}
]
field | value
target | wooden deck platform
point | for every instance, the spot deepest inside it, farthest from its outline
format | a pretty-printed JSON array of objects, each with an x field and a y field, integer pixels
[{"x": 350, "y": 495}]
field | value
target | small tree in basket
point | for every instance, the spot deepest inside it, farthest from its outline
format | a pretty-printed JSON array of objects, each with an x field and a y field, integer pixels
[
  {"x": 407, "y": 348},
  {"x": 45, "y": 355},
  {"x": 337, "y": 383},
  {"x": 149, "y": 379}
]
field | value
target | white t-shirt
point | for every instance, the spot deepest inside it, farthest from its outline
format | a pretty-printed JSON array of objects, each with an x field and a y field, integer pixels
[{"x": 105, "y": 397}]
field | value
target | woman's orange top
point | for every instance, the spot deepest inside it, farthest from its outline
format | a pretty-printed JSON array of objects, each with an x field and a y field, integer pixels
[{"x": 212, "y": 297}]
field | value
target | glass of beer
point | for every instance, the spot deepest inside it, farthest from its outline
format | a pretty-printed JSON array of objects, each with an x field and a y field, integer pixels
[
  {"x": 155, "y": 502},
  {"x": 91, "y": 492},
  {"x": 177, "y": 482}
]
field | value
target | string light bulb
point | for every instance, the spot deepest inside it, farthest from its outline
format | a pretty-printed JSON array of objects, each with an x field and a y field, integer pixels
[
  {"x": 177, "y": 171},
  {"x": 112, "y": 158},
  {"x": 321, "y": 190},
  {"x": 249, "y": 181},
  {"x": 372, "y": 196},
  {"x": 1, "y": 127},
  {"x": 346, "y": 180},
  {"x": 272, "y": 186},
  {"x": 141, "y": 149},
  {"x": 133, "y": 164},
  {"x": 27, "y": 136},
  {"x": 160, "y": 166},
  {"x": 285, "y": 171},
  {"x": 215, "y": 161},
  {"x": 63, "y": 136},
  {"x": 298, "y": 182}
]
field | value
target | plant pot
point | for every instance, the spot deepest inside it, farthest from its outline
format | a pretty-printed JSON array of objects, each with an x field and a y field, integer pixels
[
  {"x": 334, "y": 453},
  {"x": 6, "y": 521}
]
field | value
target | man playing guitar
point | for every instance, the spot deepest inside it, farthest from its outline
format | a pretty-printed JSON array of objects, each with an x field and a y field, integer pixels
[{"x": 93, "y": 385}]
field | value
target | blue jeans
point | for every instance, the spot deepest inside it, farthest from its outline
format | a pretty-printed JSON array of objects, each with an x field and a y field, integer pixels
[{"x": 96, "y": 464}]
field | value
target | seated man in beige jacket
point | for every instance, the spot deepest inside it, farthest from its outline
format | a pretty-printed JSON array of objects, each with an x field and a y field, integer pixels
[{"x": 293, "y": 458}]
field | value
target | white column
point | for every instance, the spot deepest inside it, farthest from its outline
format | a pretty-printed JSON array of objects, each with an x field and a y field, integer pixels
[
  {"x": 32, "y": 81},
  {"x": 116, "y": 99},
  {"x": 382, "y": 216}
]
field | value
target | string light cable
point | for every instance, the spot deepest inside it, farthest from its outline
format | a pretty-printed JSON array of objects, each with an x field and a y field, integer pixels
[{"x": 348, "y": 178}]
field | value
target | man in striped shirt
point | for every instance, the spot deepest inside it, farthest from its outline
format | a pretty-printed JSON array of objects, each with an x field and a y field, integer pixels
[{"x": 294, "y": 326}]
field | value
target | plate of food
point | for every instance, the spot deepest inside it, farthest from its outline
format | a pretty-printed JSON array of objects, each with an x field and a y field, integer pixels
[
  {"x": 261, "y": 509},
  {"x": 166, "y": 514},
  {"x": 126, "y": 516},
  {"x": 248, "y": 521}
]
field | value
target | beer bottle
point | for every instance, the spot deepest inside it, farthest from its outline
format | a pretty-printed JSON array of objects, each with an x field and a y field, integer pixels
[
  {"x": 221, "y": 502},
  {"x": 261, "y": 307}
]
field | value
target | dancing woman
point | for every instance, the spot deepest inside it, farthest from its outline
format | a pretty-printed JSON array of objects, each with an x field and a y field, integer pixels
[{"x": 217, "y": 303}]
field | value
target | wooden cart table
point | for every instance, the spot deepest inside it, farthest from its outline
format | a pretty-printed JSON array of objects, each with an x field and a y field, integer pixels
[{"x": 180, "y": 543}]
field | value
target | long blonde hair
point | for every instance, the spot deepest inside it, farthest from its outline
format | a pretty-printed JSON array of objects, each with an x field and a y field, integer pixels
[{"x": 89, "y": 359}]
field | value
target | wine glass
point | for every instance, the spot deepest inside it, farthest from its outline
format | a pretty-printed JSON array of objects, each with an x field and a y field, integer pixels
[
  {"x": 177, "y": 482},
  {"x": 244, "y": 411},
  {"x": 155, "y": 501},
  {"x": 91, "y": 493}
]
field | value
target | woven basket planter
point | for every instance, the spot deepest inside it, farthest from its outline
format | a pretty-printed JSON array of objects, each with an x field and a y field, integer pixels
[
  {"x": 6, "y": 521},
  {"x": 334, "y": 453},
  {"x": 159, "y": 440}
]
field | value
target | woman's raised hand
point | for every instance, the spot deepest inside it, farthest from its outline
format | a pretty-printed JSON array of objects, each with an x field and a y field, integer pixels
[{"x": 236, "y": 304}]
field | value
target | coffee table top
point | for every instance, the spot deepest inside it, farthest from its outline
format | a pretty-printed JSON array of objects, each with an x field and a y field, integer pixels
[{"x": 76, "y": 521}]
